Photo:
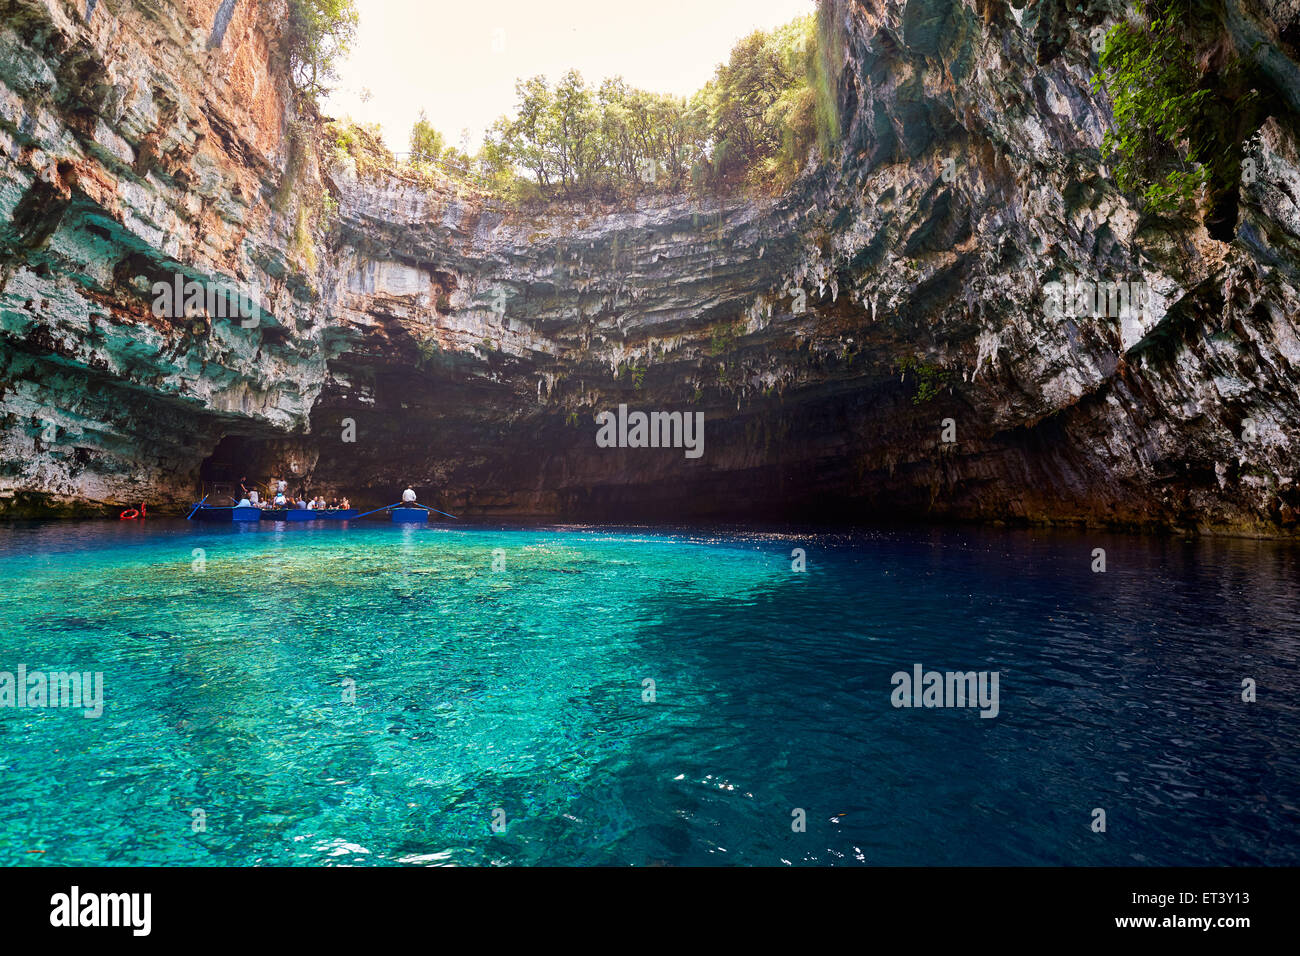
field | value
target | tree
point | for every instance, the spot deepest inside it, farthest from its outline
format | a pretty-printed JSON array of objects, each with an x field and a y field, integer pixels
[
  {"x": 427, "y": 144},
  {"x": 755, "y": 120},
  {"x": 755, "y": 96},
  {"x": 320, "y": 32},
  {"x": 573, "y": 126}
]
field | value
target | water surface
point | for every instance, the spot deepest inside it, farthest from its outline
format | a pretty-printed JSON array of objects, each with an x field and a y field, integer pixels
[{"x": 518, "y": 696}]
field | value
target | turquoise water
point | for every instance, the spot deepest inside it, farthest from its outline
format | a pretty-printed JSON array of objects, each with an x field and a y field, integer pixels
[{"x": 522, "y": 690}]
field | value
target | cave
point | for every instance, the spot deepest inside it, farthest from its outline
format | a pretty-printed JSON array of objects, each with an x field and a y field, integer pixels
[{"x": 230, "y": 460}]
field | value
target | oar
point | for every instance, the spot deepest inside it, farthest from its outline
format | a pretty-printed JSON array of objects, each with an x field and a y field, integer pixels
[
  {"x": 377, "y": 510},
  {"x": 197, "y": 507},
  {"x": 436, "y": 511}
]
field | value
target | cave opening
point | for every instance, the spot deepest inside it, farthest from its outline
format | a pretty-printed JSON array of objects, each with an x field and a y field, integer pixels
[{"x": 221, "y": 471}]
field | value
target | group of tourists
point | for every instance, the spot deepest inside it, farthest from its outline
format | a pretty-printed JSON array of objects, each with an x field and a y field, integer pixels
[{"x": 280, "y": 498}]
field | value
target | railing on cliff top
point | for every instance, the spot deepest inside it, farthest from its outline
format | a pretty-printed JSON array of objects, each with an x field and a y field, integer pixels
[{"x": 451, "y": 169}]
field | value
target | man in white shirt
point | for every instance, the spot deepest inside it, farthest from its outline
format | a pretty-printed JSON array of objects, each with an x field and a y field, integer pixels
[{"x": 408, "y": 496}]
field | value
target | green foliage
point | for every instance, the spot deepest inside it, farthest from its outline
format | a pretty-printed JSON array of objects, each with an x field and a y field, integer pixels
[
  {"x": 293, "y": 169},
  {"x": 768, "y": 104},
  {"x": 426, "y": 350},
  {"x": 302, "y": 243},
  {"x": 575, "y": 140},
  {"x": 427, "y": 144},
  {"x": 1183, "y": 107},
  {"x": 345, "y": 139},
  {"x": 723, "y": 337},
  {"x": 754, "y": 122},
  {"x": 930, "y": 379},
  {"x": 1153, "y": 84},
  {"x": 362, "y": 143},
  {"x": 632, "y": 371},
  {"x": 320, "y": 32}
]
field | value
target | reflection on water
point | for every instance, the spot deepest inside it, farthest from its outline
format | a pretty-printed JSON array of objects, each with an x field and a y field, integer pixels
[{"x": 227, "y": 656}]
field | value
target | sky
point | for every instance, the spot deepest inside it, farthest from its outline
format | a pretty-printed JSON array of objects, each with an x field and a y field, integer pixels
[{"x": 458, "y": 59}]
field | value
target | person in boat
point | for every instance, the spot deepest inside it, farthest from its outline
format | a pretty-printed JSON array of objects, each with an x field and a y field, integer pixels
[
  {"x": 344, "y": 505},
  {"x": 311, "y": 504},
  {"x": 244, "y": 503},
  {"x": 253, "y": 499},
  {"x": 408, "y": 496},
  {"x": 320, "y": 504},
  {"x": 280, "y": 501},
  {"x": 302, "y": 502},
  {"x": 281, "y": 486}
]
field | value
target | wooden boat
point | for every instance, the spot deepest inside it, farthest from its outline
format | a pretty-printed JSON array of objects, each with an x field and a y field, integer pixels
[
  {"x": 308, "y": 514},
  {"x": 228, "y": 513},
  {"x": 419, "y": 514}
]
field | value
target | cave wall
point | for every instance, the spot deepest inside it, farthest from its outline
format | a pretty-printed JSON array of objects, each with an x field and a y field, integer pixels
[{"x": 424, "y": 334}]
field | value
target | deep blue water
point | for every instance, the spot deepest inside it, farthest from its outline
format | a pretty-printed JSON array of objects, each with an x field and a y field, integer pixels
[{"x": 522, "y": 690}]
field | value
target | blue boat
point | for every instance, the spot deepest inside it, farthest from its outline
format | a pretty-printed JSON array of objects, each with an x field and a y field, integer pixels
[
  {"x": 308, "y": 514},
  {"x": 206, "y": 512},
  {"x": 228, "y": 513}
]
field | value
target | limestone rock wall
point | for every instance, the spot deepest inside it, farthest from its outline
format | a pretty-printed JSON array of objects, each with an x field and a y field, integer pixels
[{"x": 426, "y": 334}]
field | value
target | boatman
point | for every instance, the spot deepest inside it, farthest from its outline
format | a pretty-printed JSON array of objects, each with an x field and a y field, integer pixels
[{"x": 408, "y": 496}]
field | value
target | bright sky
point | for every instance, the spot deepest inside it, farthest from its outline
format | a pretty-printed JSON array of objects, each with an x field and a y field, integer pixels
[{"x": 458, "y": 59}]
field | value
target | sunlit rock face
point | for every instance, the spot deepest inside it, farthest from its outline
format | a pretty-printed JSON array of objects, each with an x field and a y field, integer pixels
[
  {"x": 832, "y": 338},
  {"x": 138, "y": 141}
]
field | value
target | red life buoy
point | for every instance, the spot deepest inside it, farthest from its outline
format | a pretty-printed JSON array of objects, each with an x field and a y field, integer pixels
[{"x": 128, "y": 514}]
